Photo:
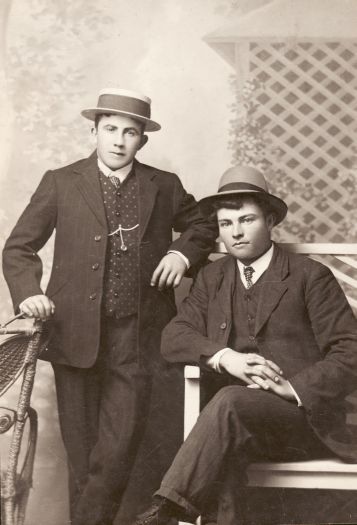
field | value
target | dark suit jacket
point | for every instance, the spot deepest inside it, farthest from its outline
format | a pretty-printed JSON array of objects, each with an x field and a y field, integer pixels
[
  {"x": 69, "y": 200},
  {"x": 303, "y": 323}
]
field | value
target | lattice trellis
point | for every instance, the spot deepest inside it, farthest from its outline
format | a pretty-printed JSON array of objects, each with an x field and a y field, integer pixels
[{"x": 307, "y": 105}]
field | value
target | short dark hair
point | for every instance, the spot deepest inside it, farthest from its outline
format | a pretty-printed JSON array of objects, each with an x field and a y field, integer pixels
[
  {"x": 235, "y": 202},
  {"x": 100, "y": 115}
]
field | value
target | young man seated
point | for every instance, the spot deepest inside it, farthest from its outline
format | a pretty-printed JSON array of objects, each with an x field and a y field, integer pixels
[{"x": 277, "y": 328}]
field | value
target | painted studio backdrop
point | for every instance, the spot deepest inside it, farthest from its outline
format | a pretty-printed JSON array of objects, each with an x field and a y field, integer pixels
[{"x": 266, "y": 83}]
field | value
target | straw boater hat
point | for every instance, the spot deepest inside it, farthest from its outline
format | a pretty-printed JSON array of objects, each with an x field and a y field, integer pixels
[
  {"x": 248, "y": 181},
  {"x": 123, "y": 102}
]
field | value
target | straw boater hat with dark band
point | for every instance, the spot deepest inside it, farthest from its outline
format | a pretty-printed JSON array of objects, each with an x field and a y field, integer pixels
[
  {"x": 123, "y": 102},
  {"x": 244, "y": 180}
]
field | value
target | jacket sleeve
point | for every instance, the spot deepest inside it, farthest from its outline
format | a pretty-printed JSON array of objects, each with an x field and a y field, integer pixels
[
  {"x": 198, "y": 233},
  {"x": 184, "y": 339},
  {"x": 22, "y": 266},
  {"x": 335, "y": 330}
]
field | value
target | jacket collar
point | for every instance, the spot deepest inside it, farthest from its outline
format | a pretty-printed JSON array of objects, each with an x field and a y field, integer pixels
[
  {"x": 273, "y": 287},
  {"x": 147, "y": 194},
  {"x": 88, "y": 184}
]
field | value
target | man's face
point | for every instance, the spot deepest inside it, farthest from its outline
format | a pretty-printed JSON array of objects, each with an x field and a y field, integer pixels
[
  {"x": 118, "y": 140},
  {"x": 245, "y": 232}
]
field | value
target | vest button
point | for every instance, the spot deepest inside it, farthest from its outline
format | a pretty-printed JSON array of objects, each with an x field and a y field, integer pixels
[
  {"x": 118, "y": 253},
  {"x": 95, "y": 266},
  {"x": 118, "y": 194},
  {"x": 117, "y": 213},
  {"x": 223, "y": 326},
  {"x": 93, "y": 296},
  {"x": 98, "y": 238},
  {"x": 116, "y": 294}
]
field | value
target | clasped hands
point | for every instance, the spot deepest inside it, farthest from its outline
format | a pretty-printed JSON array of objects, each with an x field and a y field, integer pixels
[{"x": 257, "y": 372}]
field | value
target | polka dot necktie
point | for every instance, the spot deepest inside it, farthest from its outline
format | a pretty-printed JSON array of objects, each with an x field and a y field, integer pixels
[{"x": 248, "y": 274}]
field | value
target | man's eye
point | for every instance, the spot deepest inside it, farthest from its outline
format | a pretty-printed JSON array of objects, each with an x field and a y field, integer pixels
[
  {"x": 248, "y": 219},
  {"x": 224, "y": 224},
  {"x": 110, "y": 129},
  {"x": 132, "y": 132}
]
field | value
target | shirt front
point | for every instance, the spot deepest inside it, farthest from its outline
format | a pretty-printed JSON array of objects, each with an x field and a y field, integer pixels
[
  {"x": 120, "y": 173},
  {"x": 259, "y": 266}
]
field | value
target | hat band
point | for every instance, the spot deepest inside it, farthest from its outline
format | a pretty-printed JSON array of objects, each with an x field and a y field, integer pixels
[
  {"x": 126, "y": 104},
  {"x": 234, "y": 186}
]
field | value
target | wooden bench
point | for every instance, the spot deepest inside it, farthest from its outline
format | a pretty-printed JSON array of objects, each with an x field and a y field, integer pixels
[{"x": 316, "y": 474}]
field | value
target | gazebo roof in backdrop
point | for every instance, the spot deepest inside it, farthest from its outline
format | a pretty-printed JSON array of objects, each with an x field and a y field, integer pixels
[{"x": 280, "y": 20}]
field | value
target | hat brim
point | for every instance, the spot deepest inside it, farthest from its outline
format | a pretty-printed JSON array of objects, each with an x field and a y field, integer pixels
[
  {"x": 277, "y": 204},
  {"x": 91, "y": 114}
]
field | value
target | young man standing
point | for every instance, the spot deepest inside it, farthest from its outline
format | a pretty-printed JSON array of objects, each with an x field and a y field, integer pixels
[
  {"x": 275, "y": 330},
  {"x": 109, "y": 296}
]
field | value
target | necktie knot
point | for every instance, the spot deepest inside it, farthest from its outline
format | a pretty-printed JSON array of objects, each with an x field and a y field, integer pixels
[
  {"x": 114, "y": 180},
  {"x": 248, "y": 274}
]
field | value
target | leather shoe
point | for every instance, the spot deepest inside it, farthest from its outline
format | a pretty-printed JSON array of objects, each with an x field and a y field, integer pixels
[{"x": 161, "y": 512}]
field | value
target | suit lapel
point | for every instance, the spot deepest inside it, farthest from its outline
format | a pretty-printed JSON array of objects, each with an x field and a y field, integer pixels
[
  {"x": 88, "y": 184},
  {"x": 273, "y": 287},
  {"x": 226, "y": 283},
  {"x": 147, "y": 194}
]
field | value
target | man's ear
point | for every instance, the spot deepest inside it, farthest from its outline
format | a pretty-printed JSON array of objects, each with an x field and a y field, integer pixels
[
  {"x": 144, "y": 139},
  {"x": 270, "y": 221}
]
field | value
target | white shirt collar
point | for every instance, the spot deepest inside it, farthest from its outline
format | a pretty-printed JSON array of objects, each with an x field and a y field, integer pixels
[
  {"x": 121, "y": 173},
  {"x": 260, "y": 266}
]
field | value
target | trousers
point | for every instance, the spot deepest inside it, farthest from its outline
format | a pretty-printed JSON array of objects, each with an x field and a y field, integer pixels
[
  {"x": 238, "y": 426},
  {"x": 102, "y": 414}
]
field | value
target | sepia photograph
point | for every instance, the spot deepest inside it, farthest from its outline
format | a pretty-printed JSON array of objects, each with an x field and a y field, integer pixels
[{"x": 178, "y": 285}]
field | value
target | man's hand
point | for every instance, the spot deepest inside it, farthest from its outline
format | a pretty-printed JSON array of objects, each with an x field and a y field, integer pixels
[
  {"x": 38, "y": 306},
  {"x": 253, "y": 369},
  {"x": 169, "y": 271},
  {"x": 282, "y": 389}
]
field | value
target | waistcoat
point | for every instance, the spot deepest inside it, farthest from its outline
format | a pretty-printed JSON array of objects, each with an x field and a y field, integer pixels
[
  {"x": 244, "y": 309},
  {"x": 121, "y": 276}
]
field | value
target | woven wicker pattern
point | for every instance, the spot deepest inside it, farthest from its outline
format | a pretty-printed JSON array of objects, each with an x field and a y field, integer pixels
[
  {"x": 307, "y": 106},
  {"x": 12, "y": 360}
]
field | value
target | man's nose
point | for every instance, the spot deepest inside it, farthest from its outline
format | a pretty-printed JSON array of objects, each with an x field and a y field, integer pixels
[
  {"x": 119, "y": 139},
  {"x": 237, "y": 230}
]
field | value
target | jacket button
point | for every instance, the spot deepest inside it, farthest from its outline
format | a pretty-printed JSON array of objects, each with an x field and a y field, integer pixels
[
  {"x": 95, "y": 266},
  {"x": 251, "y": 338},
  {"x": 223, "y": 326},
  {"x": 98, "y": 238},
  {"x": 93, "y": 296}
]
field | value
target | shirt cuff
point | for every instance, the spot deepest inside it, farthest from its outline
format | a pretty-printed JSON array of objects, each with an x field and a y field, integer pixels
[
  {"x": 214, "y": 361},
  {"x": 187, "y": 262},
  {"x": 299, "y": 403}
]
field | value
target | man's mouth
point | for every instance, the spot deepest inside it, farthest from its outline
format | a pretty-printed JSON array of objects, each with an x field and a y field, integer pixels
[
  {"x": 240, "y": 243},
  {"x": 117, "y": 153}
]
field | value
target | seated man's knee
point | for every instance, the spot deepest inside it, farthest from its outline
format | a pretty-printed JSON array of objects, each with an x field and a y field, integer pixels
[{"x": 226, "y": 398}]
